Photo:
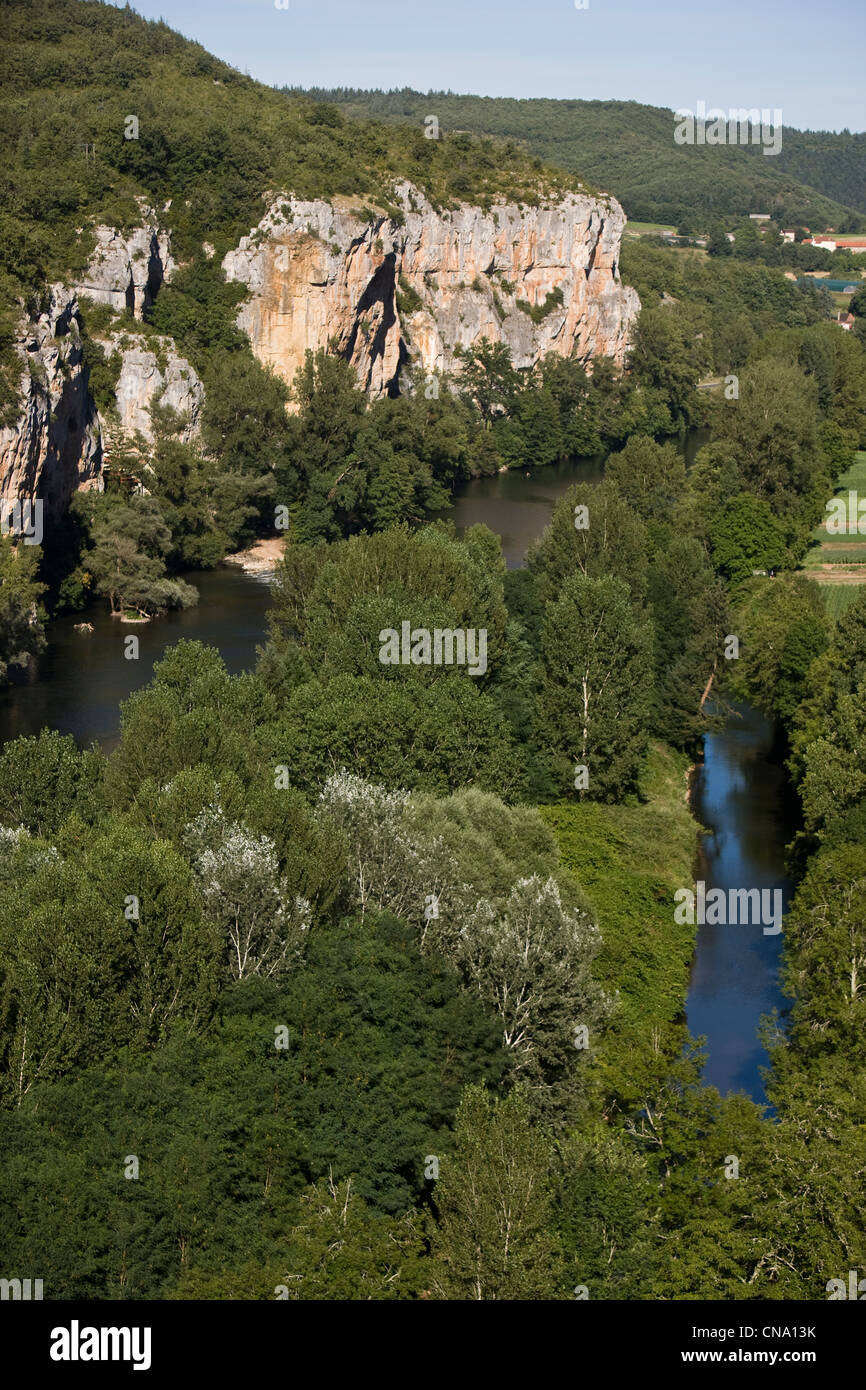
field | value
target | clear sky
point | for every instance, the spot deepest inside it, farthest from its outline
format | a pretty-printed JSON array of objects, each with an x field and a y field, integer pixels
[{"x": 801, "y": 56}]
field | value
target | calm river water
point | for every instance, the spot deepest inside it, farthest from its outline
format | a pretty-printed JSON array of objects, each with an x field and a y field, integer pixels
[
  {"x": 740, "y": 792},
  {"x": 81, "y": 679},
  {"x": 517, "y": 505},
  {"x": 744, "y": 798}
]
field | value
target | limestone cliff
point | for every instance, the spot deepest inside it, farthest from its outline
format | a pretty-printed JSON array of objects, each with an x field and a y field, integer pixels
[
  {"x": 126, "y": 271},
  {"x": 152, "y": 372},
  {"x": 55, "y": 446},
  {"x": 385, "y": 291},
  {"x": 410, "y": 290}
]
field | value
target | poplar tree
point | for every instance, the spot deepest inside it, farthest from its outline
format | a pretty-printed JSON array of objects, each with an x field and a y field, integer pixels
[
  {"x": 595, "y": 688},
  {"x": 493, "y": 1240}
]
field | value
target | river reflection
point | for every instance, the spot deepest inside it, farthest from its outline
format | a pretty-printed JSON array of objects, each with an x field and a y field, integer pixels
[
  {"x": 517, "y": 504},
  {"x": 78, "y": 683},
  {"x": 744, "y": 798}
]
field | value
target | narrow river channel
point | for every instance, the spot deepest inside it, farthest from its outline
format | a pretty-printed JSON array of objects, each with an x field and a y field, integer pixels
[
  {"x": 740, "y": 794},
  {"x": 743, "y": 797}
]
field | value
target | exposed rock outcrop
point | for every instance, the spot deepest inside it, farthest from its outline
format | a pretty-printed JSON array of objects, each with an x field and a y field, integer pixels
[
  {"x": 153, "y": 371},
  {"x": 384, "y": 291},
  {"x": 126, "y": 271},
  {"x": 388, "y": 292},
  {"x": 55, "y": 447}
]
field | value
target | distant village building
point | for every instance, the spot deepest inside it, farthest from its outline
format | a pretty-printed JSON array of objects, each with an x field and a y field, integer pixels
[
  {"x": 823, "y": 243},
  {"x": 788, "y": 235},
  {"x": 850, "y": 243},
  {"x": 846, "y": 321},
  {"x": 759, "y": 217}
]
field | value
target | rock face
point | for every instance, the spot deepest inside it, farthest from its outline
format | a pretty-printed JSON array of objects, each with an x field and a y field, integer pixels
[
  {"x": 127, "y": 271},
  {"x": 55, "y": 446},
  {"x": 385, "y": 292},
  {"x": 388, "y": 293},
  {"x": 151, "y": 374}
]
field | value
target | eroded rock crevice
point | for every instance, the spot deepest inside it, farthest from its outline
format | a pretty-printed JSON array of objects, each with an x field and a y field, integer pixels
[
  {"x": 320, "y": 276},
  {"x": 393, "y": 294}
]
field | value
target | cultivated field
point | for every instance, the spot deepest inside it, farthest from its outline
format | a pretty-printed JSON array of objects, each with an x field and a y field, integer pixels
[{"x": 838, "y": 563}]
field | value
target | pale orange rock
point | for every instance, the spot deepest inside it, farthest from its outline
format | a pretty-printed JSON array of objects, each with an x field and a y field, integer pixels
[
  {"x": 388, "y": 294},
  {"x": 320, "y": 276}
]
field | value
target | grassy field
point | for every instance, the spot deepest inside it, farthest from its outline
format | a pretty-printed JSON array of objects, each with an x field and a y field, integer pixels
[
  {"x": 648, "y": 228},
  {"x": 838, "y": 563},
  {"x": 630, "y": 860},
  {"x": 837, "y": 598}
]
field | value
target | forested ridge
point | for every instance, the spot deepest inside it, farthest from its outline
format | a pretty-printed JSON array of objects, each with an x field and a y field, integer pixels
[
  {"x": 210, "y": 139},
  {"x": 335, "y": 980},
  {"x": 628, "y": 148}
]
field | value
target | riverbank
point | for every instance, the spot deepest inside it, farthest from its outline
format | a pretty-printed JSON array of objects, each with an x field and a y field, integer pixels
[
  {"x": 630, "y": 860},
  {"x": 262, "y": 557}
]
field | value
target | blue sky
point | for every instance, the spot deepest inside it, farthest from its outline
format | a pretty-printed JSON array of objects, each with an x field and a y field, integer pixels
[{"x": 806, "y": 58}]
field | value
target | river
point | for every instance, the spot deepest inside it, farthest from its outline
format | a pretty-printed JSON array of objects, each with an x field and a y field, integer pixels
[
  {"x": 517, "y": 504},
  {"x": 740, "y": 792},
  {"x": 742, "y": 795},
  {"x": 78, "y": 683}
]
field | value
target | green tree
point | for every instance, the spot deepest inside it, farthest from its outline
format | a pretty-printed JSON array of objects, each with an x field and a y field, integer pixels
[
  {"x": 493, "y": 1200},
  {"x": 668, "y": 356},
  {"x": 650, "y": 476},
  {"x": 44, "y": 778},
  {"x": 434, "y": 736},
  {"x": 595, "y": 688},
  {"x": 103, "y": 946},
  {"x": 340, "y": 1249},
  {"x": 825, "y": 956},
  {"x": 21, "y": 632},
  {"x": 531, "y": 958},
  {"x": 746, "y": 535},
  {"x": 834, "y": 779},
  {"x": 488, "y": 379},
  {"x": 604, "y": 1204},
  {"x": 184, "y": 484},
  {"x": 191, "y": 714},
  {"x": 718, "y": 244},
  {"x": 532, "y": 436},
  {"x": 690, "y": 610},
  {"x": 772, "y": 428},
  {"x": 593, "y": 532},
  {"x": 245, "y": 897},
  {"x": 130, "y": 540},
  {"x": 784, "y": 630},
  {"x": 573, "y": 396}
]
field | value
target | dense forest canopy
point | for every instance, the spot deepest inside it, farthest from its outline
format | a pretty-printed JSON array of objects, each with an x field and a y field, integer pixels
[
  {"x": 628, "y": 149},
  {"x": 209, "y": 138},
  {"x": 353, "y": 979}
]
